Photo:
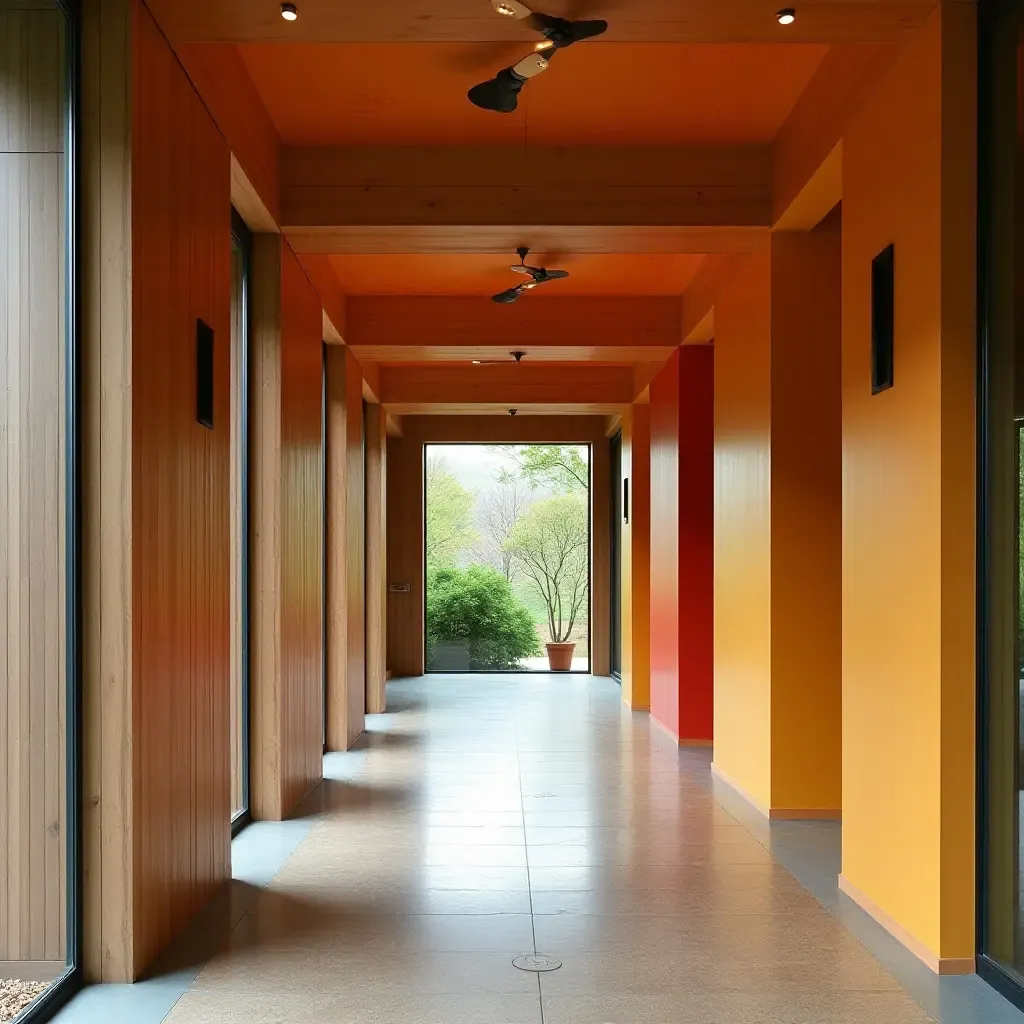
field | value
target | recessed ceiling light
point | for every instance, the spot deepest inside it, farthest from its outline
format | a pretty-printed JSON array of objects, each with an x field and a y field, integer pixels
[
  {"x": 786, "y": 16},
  {"x": 289, "y": 12}
]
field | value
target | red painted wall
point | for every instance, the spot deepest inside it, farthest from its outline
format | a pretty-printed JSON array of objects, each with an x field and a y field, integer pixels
[{"x": 682, "y": 544}]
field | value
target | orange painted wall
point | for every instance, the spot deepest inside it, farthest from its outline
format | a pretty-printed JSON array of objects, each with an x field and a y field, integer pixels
[
  {"x": 180, "y": 799},
  {"x": 909, "y": 492},
  {"x": 806, "y": 520},
  {"x": 742, "y": 541},
  {"x": 636, "y": 559},
  {"x": 778, "y": 526},
  {"x": 681, "y": 531}
]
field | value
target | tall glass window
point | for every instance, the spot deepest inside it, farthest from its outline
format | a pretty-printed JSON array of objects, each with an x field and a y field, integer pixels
[
  {"x": 240, "y": 246},
  {"x": 39, "y": 875}
]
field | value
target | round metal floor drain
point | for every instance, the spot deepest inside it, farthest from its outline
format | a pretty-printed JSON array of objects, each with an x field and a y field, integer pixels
[{"x": 536, "y": 962}]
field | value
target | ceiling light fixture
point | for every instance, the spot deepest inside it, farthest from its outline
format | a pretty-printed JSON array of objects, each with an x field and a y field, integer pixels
[
  {"x": 786, "y": 16},
  {"x": 289, "y": 12},
  {"x": 504, "y": 9}
]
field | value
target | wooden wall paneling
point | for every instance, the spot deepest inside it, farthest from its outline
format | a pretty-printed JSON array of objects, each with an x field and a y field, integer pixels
[
  {"x": 32, "y": 494},
  {"x": 405, "y": 652},
  {"x": 336, "y": 560},
  {"x": 356, "y": 550},
  {"x": 376, "y": 558},
  {"x": 286, "y": 551},
  {"x": 265, "y": 524},
  {"x": 106, "y": 349},
  {"x": 302, "y": 532},
  {"x": 180, "y": 502}
]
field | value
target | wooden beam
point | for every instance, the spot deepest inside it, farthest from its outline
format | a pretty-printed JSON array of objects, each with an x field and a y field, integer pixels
[
  {"x": 509, "y": 386},
  {"x": 321, "y": 275},
  {"x": 431, "y": 328},
  {"x": 706, "y": 21},
  {"x": 504, "y": 238},
  {"x": 815, "y": 126},
  {"x": 222, "y": 80},
  {"x": 697, "y": 323},
  {"x": 688, "y": 186}
]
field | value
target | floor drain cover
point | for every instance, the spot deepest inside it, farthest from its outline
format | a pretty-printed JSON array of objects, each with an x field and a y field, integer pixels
[{"x": 536, "y": 962}]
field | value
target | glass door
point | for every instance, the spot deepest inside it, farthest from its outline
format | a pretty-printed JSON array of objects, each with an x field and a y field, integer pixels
[
  {"x": 240, "y": 249},
  {"x": 617, "y": 497},
  {"x": 1001, "y": 525}
]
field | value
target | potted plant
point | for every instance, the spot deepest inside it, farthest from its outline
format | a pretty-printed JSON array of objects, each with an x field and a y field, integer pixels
[{"x": 550, "y": 544}]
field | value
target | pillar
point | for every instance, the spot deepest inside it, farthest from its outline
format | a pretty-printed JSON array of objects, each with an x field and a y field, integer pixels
[
  {"x": 376, "y": 559},
  {"x": 286, "y": 532},
  {"x": 778, "y": 526},
  {"x": 681, "y": 544},
  {"x": 345, "y": 676},
  {"x": 636, "y": 559},
  {"x": 909, "y": 501}
]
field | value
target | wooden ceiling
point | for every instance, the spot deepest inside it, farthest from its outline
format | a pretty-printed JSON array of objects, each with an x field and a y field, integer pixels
[
  {"x": 632, "y": 159},
  {"x": 402, "y": 94},
  {"x": 636, "y": 21},
  {"x": 484, "y": 274}
]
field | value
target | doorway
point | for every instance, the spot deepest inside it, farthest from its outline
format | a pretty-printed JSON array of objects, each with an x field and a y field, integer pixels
[{"x": 507, "y": 557}]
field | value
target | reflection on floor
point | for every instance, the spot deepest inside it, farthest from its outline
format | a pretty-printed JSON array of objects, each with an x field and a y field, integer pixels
[{"x": 490, "y": 817}]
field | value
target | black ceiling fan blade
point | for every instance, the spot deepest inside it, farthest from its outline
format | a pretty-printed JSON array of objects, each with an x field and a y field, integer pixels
[
  {"x": 564, "y": 33},
  {"x": 509, "y": 295},
  {"x": 555, "y": 275}
]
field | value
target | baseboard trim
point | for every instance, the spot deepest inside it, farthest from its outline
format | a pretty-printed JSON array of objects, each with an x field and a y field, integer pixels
[
  {"x": 32, "y": 970},
  {"x": 940, "y": 965},
  {"x": 679, "y": 741},
  {"x": 777, "y": 813}
]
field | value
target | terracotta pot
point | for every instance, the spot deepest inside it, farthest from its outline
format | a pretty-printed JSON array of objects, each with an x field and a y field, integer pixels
[{"x": 560, "y": 656}]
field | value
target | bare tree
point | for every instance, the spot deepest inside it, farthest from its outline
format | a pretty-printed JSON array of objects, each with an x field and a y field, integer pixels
[
  {"x": 498, "y": 511},
  {"x": 551, "y": 544}
]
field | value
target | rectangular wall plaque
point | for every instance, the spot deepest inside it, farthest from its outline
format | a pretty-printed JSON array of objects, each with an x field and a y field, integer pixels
[
  {"x": 204, "y": 374},
  {"x": 883, "y": 319}
]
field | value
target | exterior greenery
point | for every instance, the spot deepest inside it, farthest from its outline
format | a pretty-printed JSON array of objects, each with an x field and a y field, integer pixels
[
  {"x": 551, "y": 545},
  {"x": 475, "y": 607}
]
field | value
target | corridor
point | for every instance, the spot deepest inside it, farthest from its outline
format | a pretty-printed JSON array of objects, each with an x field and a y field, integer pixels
[{"x": 492, "y": 817}]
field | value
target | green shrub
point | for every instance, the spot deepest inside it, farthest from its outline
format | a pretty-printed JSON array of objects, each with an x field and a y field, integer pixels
[{"x": 476, "y": 607}]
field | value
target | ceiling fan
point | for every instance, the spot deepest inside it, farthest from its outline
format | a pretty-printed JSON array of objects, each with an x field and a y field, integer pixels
[
  {"x": 501, "y": 93},
  {"x": 517, "y": 356},
  {"x": 537, "y": 275}
]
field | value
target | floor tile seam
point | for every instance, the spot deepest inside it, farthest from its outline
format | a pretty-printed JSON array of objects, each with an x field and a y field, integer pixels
[{"x": 699, "y": 779}]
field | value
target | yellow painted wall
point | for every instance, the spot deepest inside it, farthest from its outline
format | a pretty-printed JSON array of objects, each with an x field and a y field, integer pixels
[
  {"x": 636, "y": 559},
  {"x": 743, "y": 528},
  {"x": 909, "y": 487},
  {"x": 778, "y": 526}
]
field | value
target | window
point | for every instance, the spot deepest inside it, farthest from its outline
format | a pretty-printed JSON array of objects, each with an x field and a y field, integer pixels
[{"x": 39, "y": 716}]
